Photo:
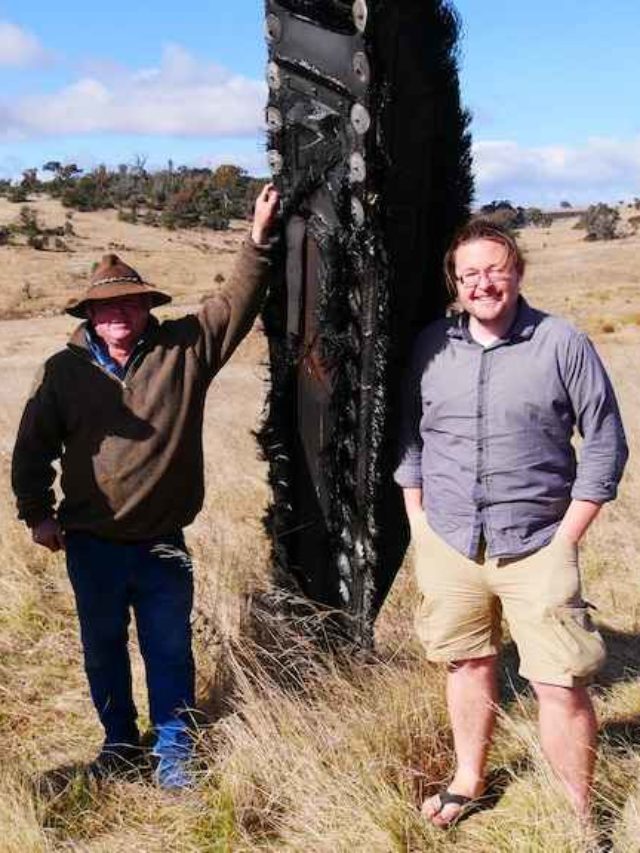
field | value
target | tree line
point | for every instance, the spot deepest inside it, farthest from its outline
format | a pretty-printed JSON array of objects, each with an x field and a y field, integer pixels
[
  {"x": 189, "y": 197},
  {"x": 599, "y": 221},
  {"x": 182, "y": 197}
]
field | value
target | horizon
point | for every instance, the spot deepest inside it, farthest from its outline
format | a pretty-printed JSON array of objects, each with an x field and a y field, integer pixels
[{"x": 551, "y": 119}]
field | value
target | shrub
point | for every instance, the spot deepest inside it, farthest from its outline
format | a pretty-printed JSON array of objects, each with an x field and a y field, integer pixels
[
  {"x": 37, "y": 235},
  {"x": 183, "y": 198},
  {"x": 503, "y": 213},
  {"x": 38, "y": 241},
  {"x": 17, "y": 194},
  {"x": 87, "y": 193},
  {"x": 600, "y": 222},
  {"x": 197, "y": 203},
  {"x": 130, "y": 216},
  {"x": 215, "y": 220},
  {"x": 28, "y": 222},
  {"x": 535, "y": 216}
]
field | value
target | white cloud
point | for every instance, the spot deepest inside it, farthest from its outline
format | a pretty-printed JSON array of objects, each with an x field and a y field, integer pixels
[
  {"x": 602, "y": 169},
  {"x": 183, "y": 96},
  {"x": 180, "y": 97},
  {"x": 19, "y": 47}
]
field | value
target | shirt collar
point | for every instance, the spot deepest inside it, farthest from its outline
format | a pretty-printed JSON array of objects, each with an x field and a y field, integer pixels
[
  {"x": 522, "y": 328},
  {"x": 100, "y": 353}
]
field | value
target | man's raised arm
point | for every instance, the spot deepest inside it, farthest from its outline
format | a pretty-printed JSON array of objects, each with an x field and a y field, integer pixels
[{"x": 228, "y": 316}]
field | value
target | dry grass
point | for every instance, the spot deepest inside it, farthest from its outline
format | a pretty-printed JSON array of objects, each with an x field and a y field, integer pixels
[
  {"x": 186, "y": 262},
  {"x": 305, "y": 751}
]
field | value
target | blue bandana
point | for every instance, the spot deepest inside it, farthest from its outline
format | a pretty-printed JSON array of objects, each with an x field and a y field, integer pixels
[{"x": 101, "y": 354}]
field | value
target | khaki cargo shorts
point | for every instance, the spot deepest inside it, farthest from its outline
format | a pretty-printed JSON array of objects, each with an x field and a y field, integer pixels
[{"x": 463, "y": 602}]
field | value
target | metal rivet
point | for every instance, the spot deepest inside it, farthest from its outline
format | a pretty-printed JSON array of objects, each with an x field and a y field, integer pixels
[
  {"x": 273, "y": 28},
  {"x": 275, "y": 161},
  {"x": 360, "y": 119},
  {"x": 357, "y": 211},
  {"x": 344, "y": 565},
  {"x": 357, "y": 168},
  {"x": 361, "y": 67},
  {"x": 274, "y": 79},
  {"x": 274, "y": 119},
  {"x": 345, "y": 595},
  {"x": 360, "y": 12}
]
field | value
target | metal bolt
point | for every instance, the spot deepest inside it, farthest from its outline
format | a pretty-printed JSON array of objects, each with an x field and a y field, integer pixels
[
  {"x": 344, "y": 565},
  {"x": 360, "y": 119},
  {"x": 275, "y": 161},
  {"x": 357, "y": 168},
  {"x": 357, "y": 211},
  {"x": 361, "y": 67},
  {"x": 274, "y": 119},
  {"x": 274, "y": 79},
  {"x": 273, "y": 28},
  {"x": 360, "y": 13}
]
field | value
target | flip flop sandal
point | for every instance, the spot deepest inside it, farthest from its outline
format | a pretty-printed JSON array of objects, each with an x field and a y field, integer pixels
[{"x": 468, "y": 805}]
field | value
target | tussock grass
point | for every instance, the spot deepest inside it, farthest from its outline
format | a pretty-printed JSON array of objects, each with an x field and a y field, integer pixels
[
  {"x": 307, "y": 750},
  {"x": 331, "y": 753},
  {"x": 22, "y": 831}
]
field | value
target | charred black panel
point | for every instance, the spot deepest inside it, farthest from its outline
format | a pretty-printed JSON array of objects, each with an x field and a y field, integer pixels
[
  {"x": 335, "y": 15},
  {"x": 370, "y": 150}
]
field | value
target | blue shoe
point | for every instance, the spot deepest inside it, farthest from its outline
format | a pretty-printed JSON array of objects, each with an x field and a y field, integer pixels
[{"x": 173, "y": 752}]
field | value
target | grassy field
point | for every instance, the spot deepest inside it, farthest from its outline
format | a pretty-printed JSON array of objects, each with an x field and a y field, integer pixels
[{"x": 303, "y": 752}]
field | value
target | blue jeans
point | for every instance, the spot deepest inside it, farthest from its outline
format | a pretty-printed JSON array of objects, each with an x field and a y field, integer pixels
[{"x": 155, "y": 579}]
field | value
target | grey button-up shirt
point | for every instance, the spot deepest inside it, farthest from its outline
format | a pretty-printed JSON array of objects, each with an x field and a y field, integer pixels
[{"x": 487, "y": 431}]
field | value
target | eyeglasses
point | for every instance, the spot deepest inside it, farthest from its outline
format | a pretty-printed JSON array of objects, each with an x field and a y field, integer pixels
[{"x": 471, "y": 279}]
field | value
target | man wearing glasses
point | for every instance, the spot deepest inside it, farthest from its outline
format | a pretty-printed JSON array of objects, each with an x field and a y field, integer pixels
[{"x": 498, "y": 505}]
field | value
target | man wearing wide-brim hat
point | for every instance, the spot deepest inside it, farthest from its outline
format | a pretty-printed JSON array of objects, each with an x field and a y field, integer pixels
[{"x": 121, "y": 407}]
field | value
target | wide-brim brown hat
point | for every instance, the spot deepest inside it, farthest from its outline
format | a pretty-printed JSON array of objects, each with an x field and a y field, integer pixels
[{"x": 113, "y": 278}]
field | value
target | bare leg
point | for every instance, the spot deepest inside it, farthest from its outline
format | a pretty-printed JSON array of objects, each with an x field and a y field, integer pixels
[
  {"x": 568, "y": 730},
  {"x": 471, "y": 699}
]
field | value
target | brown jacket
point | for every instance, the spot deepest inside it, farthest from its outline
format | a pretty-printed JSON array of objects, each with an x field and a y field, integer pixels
[{"x": 131, "y": 451}]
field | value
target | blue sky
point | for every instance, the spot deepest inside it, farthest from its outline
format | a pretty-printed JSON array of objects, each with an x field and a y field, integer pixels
[{"x": 552, "y": 87}]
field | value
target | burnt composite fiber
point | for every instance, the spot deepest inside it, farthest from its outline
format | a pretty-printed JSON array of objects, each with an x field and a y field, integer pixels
[{"x": 370, "y": 149}]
